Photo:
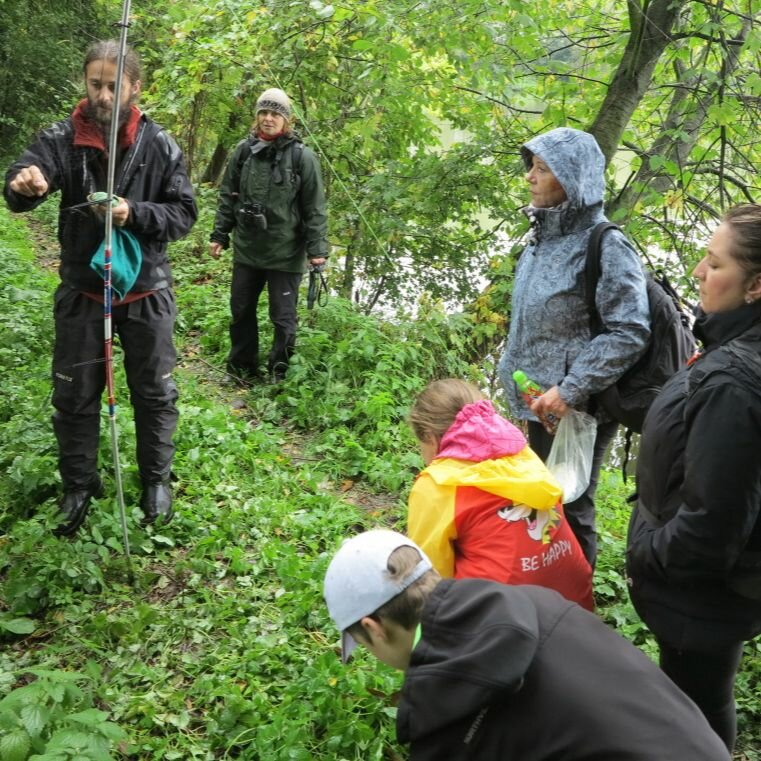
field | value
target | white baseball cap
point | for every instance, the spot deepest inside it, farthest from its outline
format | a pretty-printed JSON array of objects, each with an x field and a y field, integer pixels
[{"x": 357, "y": 581}]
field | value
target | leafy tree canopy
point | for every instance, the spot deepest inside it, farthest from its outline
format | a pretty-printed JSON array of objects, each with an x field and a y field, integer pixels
[{"x": 418, "y": 110}]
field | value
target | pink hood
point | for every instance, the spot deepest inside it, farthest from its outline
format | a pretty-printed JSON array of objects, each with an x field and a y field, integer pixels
[{"x": 479, "y": 433}]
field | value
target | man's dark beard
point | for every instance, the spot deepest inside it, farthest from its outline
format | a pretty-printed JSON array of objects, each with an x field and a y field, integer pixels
[{"x": 124, "y": 113}]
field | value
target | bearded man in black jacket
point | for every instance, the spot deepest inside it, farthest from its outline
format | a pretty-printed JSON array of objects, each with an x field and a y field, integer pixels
[
  {"x": 154, "y": 205},
  {"x": 498, "y": 672}
]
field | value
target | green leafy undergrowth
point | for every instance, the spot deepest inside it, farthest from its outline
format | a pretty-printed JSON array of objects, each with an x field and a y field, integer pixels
[
  {"x": 350, "y": 384},
  {"x": 54, "y": 719},
  {"x": 217, "y": 645},
  {"x": 611, "y": 589},
  {"x": 25, "y": 349},
  {"x": 353, "y": 377}
]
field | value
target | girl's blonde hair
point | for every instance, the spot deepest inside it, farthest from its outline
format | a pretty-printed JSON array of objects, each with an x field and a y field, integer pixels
[{"x": 437, "y": 406}]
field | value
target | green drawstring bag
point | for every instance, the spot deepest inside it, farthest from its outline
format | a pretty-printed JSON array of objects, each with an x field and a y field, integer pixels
[{"x": 126, "y": 261}]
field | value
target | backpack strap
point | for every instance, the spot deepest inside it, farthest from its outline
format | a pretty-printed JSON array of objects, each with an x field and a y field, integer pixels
[
  {"x": 243, "y": 158},
  {"x": 294, "y": 145},
  {"x": 298, "y": 146},
  {"x": 744, "y": 354},
  {"x": 591, "y": 277},
  {"x": 592, "y": 269}
]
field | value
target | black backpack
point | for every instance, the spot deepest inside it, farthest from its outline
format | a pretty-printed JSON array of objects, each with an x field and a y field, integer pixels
[{"x": 671, "y": 341}]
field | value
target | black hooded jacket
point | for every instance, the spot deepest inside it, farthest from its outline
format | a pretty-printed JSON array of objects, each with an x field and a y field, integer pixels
[
  {"x": 694, "y": 546},
  {"x": 151, "y": 176},
  {"x": 519, "y": 673}
]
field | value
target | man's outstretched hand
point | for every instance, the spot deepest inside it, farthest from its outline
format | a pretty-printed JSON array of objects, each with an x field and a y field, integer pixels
[{"x": 30, "y": 182}]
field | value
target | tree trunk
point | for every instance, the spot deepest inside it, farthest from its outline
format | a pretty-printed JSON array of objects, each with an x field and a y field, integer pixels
[
  {"x": 347, "y": 281},
  {"x": 213, "y": 172},
  {"x": 651, "y": 25},
  {"x": 687, "y": 113},
  {"x": 216, "y": 165}
]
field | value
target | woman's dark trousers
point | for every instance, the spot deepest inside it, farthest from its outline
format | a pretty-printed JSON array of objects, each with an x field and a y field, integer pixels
[
  {"x": 709, "y": 679},
  {"x": 282, "y": 292}
]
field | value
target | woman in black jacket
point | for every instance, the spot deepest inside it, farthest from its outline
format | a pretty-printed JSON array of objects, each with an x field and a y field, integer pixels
[{"x": 694, "y": 545}]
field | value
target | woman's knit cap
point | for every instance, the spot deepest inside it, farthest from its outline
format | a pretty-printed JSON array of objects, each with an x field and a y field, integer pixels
[{"x": 274, "y": 100}]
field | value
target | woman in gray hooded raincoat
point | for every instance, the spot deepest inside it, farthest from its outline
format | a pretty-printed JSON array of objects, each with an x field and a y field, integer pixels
[{"x": 550, "y": 336}]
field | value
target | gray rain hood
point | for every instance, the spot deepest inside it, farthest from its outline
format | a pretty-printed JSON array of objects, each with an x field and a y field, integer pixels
[{"x": 576, "y": 161}]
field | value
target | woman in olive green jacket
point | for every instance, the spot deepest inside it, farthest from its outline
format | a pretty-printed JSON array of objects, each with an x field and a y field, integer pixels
[{"x": 272, "y": 201}]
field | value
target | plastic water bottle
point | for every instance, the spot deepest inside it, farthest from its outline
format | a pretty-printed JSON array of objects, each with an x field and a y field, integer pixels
[{"x": 530, "y": 391}]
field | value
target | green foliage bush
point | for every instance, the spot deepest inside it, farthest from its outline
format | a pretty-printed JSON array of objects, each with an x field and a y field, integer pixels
[
  {"x": 353, "y": 381},
  {"x": 53, "y": 719},
  {"x": 26, "y": 454}
]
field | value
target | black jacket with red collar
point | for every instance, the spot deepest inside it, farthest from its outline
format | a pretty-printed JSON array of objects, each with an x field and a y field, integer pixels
[
  {"x": 151, "y": 175},
  {"x": 518, "y": 672}
]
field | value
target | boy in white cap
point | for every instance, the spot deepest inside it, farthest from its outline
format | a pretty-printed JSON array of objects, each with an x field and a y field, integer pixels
[{"x": 505, "y": 672}]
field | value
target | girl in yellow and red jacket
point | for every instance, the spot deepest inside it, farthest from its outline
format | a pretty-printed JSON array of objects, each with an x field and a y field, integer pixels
[{"x": 486, "y": 506}]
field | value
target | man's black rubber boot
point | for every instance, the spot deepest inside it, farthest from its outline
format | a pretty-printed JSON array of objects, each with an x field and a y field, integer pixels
[
  {"x": 74, "y": 506},
  {"x": 156, "y": 503}
]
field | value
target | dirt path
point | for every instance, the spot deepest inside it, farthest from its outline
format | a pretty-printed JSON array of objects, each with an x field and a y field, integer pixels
[{"x": 44, "y": 244}]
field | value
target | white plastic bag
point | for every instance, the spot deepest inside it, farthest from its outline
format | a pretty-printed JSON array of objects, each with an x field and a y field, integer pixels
[{"x": 570, "y": 459}]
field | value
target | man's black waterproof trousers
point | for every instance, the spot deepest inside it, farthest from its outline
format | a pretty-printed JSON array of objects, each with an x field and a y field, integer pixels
[{"x": 144, "y": 329}]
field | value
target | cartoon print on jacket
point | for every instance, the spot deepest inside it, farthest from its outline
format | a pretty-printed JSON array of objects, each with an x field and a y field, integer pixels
[{"x": 539, "y": 523}]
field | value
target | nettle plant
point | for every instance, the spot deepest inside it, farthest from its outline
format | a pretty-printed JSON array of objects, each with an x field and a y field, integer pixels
[{"x": 53, "y": 719}]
